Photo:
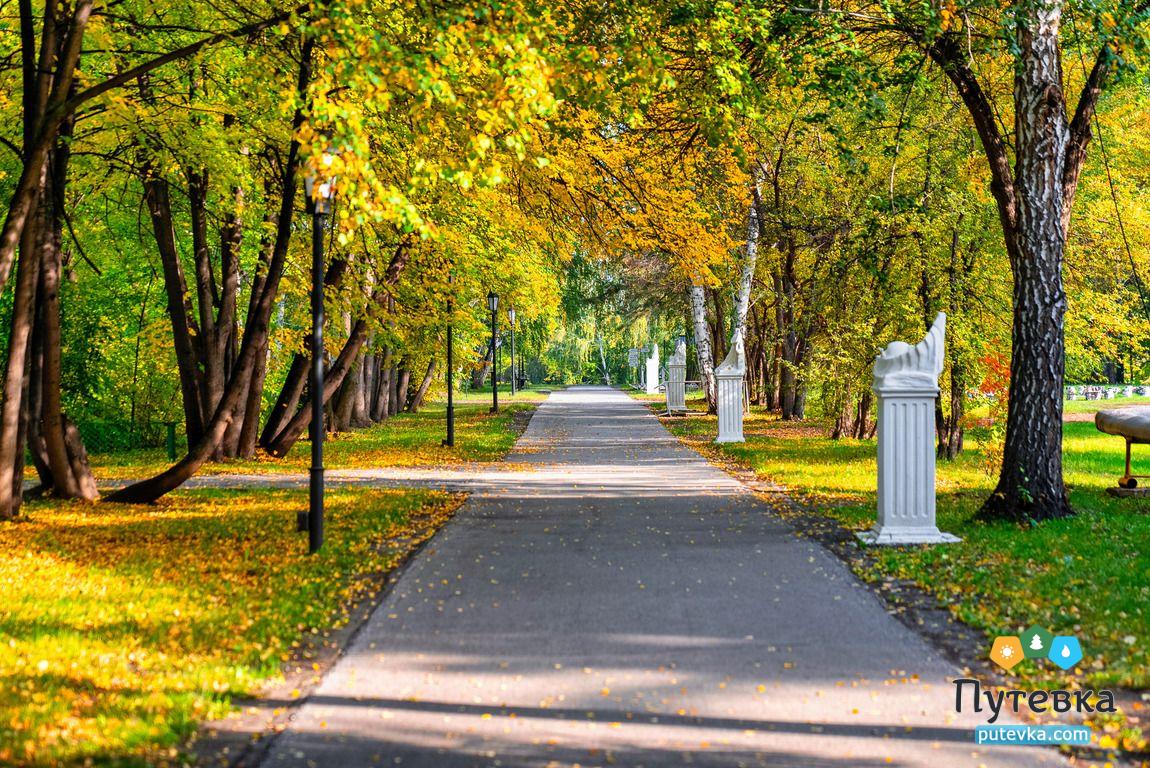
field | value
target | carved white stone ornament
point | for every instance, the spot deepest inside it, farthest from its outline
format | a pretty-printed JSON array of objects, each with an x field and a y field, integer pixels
[
  {"x": 651, "y": 383},
  {"x": 906, "y": 385},
  {"x": 677, "y": 378},
  {"x": 729, "y": 395}
]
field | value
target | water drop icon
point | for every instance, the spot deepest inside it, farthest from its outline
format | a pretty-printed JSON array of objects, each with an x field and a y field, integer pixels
[{"x": 1066, "y": 652}]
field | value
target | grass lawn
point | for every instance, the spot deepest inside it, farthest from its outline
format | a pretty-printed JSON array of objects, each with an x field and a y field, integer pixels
[
  {"x": 404, "y": 440},
  {"x": 129, "y": 625},
  {"x": 126, "y": 625},
  {"x": 1092, "y": 406},
  {"x": 1088, "y": 575}
]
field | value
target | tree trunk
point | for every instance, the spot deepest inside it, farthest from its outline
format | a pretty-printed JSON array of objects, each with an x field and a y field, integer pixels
[
  {"x": 333, "y": 380},
  {"x": 703, "y": 345},
  {"x": 48, "y": 79},
  {"x": 359, "y": 417},
  {"x": 1030, "y": 485},
  {"x": 421, "y": 391},
  {"x": 951, "y": 433},
  {"x": 11, "y": 413},
  {"x": 71, "y": 477},
  {"x": 479, "y": 373},
  {"x": 402, "y": 384},
  {"x": 381, "y": 401},
  {"x": 255, "y": 331},
  {"x": 747, "y": 273},
  {"x": 345, "y": 400},
  {"x": 1034, "y": 206},
  {"x": 184, "y": 329}
]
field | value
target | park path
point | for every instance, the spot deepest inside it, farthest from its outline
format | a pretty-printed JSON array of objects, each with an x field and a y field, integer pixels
[{"x": 622, "y": 602}]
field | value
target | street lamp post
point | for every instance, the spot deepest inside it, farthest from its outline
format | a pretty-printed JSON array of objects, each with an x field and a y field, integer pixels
[
  {"x": 319, "y": 194},
  {"x": 493, "y": 305},
  {"x": 450, "y": 441},
  {"x": 511, "y": 319}
]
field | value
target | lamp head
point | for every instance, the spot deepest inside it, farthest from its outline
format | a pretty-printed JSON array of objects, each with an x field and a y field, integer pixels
[
  {"x": 492, "y": 301},
  {"x": 321, "y": 189}
]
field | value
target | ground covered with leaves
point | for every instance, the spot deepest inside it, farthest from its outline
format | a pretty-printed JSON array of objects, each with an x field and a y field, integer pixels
[
  {"x": 1088, "y": 575},
  {"x": 126, "y": 625}
]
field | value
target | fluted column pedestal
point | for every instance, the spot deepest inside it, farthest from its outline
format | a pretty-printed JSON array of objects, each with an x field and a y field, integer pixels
[
  {"x": 906, "y": 385},
  {"x": 677, "y": 379},
  {"x": 729, "y": 396}
]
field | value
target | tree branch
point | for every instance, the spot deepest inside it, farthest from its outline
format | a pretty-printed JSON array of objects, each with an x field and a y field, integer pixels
[
  {"x": 946, "y": 52},
  {"x": 1080, "y": 133},
  {"x": 129, "y": 75}
]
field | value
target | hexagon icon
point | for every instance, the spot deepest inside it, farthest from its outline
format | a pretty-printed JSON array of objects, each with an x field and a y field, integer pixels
[
  {"x": 1036, "y": 642},
  {"x": 1007, "y": 651},
  {"x": 1065, "y": 651}
]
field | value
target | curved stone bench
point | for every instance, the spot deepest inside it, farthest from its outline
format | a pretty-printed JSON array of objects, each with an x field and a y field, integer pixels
[{"x": 1133, "y": 424}]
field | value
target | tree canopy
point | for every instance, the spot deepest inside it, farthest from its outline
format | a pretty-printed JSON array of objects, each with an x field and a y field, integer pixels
[{"x": 807, "y": 182}]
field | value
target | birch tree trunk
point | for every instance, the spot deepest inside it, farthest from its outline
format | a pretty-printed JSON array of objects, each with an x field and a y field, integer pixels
[
  {"x": 1031, "y": 479},
  {"x": 602, "y": 363},
  {"x": 1034, "y": 202},
  {"x": 747, "y": 275},
  {"x": 703, "y": 344}
]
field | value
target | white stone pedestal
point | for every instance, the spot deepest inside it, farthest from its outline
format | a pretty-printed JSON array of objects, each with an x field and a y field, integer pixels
[
  {"x": 906, "y": 384},
  {"x": 677, "y": 379},
  {"x": 729, "y": 396},
  {"x": 651, "y": 383}
]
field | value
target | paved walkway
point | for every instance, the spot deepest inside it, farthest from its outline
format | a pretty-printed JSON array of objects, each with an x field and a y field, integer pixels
[{"x": 625, "y": 603}]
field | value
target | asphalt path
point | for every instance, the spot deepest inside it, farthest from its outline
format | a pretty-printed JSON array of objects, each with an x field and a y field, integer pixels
[{"x": 609, "y": 598}]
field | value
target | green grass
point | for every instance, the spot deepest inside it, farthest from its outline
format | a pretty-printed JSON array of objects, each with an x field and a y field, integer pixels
[
  {"x": 124, "y": 626},
  {"x": 407, "y": 439},
  {"x": 1091, "y": 406},
  {"x": 1088, "y": 575}
]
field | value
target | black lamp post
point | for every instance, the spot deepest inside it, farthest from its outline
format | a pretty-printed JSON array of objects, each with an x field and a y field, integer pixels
[
  {"x": 511, "y": 319},
  {"x": 319, "y": 194},
  {"x": 493, "y": 305},
  {"x": 450, "y": 440}
]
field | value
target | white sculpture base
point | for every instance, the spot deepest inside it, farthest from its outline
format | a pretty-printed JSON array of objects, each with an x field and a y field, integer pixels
[
  {"x": 906, "y": 383},
  {"x": 651, "y": 366},
  {"x": 729, "y": 397},
  {"x": 677, "y": 380},
  {"x": 895, "y": 537}
]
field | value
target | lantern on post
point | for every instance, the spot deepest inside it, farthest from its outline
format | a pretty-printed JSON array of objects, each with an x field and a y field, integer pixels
[
  {"x": 320, "y": 189},
  {"x": 493, "y": 305}
]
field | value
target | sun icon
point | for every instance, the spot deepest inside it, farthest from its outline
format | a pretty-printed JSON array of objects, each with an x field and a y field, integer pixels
[{"x": 1007, "y": 651}]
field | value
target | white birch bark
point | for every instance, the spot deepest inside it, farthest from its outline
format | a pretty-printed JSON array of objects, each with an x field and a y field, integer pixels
[
  {"x": 747, "y": 276},
  {"x": 703, "y": 344},
  {"x": 603, "y": 362}
]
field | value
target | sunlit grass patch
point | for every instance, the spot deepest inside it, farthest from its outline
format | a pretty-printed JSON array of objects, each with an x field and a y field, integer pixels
[
  {"x": 125, "y": 625},
  {"x": 404, "y": 440}
]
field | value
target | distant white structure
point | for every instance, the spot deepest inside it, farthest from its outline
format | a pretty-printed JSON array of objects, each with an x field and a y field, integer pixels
[
  {"x": 651, "y": 382},
  {"x": 906, "y": 384},
  {"x": 677, "y": 378},
  {"x": 729, "y": 395}
]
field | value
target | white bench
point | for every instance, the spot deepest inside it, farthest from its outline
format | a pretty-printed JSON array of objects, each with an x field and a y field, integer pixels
[{"x": 1133, "y": 424}]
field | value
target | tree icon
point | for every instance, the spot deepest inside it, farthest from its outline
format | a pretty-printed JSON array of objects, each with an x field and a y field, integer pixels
[{"x": 1036, "y": 642}]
